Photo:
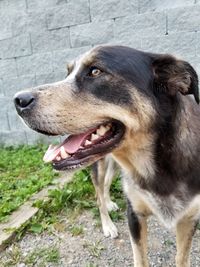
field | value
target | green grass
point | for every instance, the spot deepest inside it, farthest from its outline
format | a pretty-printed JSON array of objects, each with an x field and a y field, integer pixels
[
  {"x": 22, "y": 173},
  {"x": 75, "y": 197},
  {"x": 70, "y": 201}
]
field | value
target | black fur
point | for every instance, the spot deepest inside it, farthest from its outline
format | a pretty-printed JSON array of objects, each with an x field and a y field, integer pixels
[
  {"x": 133, "y": 222},
  {"x": 94, "y": 173},
  {"x": 121, "y": 67}
]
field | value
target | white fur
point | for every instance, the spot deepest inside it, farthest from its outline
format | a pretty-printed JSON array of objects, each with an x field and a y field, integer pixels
[{"x": 169, "y": 210}]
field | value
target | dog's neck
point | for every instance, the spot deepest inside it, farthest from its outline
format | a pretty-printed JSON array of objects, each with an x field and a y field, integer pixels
[
  {"x": 147, "y": 156},
  {"x": 137, "y": 157}
]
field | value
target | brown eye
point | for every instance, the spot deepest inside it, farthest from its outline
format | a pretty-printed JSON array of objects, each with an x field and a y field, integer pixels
[{"x": 95, "y": 72}]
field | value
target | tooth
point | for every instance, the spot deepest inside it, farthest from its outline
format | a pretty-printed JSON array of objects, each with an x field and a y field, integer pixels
[
  {"x": 108, "y": 126},
  {"x": 63, "y": 153},
  {"x": 101, "y": 130},
  {"x": 87, "y": 143},
  {"x": 58, "y": 158},
  {"x": 94, "y": 137}
]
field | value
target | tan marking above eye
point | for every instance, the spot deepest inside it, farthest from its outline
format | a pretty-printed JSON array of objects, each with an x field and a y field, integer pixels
[
  {"x": 70, "y": 67},
  {"x": 95, "y": 72}
]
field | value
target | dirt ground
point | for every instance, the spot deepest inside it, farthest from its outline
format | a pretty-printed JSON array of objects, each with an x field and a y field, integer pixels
[{"x": 91, "y": 249}]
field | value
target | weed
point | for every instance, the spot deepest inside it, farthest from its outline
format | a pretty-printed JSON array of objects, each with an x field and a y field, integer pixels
[
  {"x": 43, "y": 256},
  {"x": 13, "y": 256},
  {"x": 76, "y": 230},
  {"x": 94, "y": 248},
  {"x": 39, "y": 256},
  {"x": 168, "y": 242},
  {"x": 91, "y": 265}
]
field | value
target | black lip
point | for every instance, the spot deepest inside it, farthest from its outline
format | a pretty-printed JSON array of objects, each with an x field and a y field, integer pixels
[{"x": 93, "y": 153}]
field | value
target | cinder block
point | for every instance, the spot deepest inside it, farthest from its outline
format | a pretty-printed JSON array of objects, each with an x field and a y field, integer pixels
[
  {"x": 12, "y": 138},
  {"x": 50, "y": 40},
  {"x": 4, "y": 125},
  {"x": 6, "y": 104},
  {"x": 92, "y": 33},
  {"x": 195, "y": 62},
  {"x": 38, "y": 63},
  {"x": 15, "y": 47},
  {"x": 12, "y": 5},
  {"x": 103, "y": 10},
  {"x": 1, "y": 88},
  {"x": 13, "y": 85},
  {"x": 131, "y": 29},
  {"x": 62, "y": 57},
  {"x": 184, "y": 19},
  {"x": 158, "y": 5},
  {"x": 73, "y": 13},
  {"x": 15, "y": 122},
  {"x": 179, "y": 44},
  {"x": 197, "y": 48},
  {"x": 30, "y": 22},
  {"x": 8, "y": 68},
  {"x": 43, "y": 4},
  {"x": 131, "y": 42},
  {"x": 34, "y": 138},
  {"x": 50, "y": 77},
  {"x": 5, "y": 26}
]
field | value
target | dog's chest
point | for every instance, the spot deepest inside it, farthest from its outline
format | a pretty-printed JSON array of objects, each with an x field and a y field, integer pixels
[{"x": 168, "y": 209}]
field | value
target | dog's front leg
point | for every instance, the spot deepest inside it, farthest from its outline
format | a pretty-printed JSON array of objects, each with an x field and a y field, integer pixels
[
  {"x": 185, "y": 230},
  {"x": 98, "y": 179},
  {"x": 138, "y": 235}
]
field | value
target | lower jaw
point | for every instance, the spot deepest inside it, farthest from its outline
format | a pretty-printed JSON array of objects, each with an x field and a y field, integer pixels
[{"x": 76, "y": 164}]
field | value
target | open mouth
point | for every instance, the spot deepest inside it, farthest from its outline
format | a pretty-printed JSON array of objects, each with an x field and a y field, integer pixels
[{"x": 85, "y": 148}]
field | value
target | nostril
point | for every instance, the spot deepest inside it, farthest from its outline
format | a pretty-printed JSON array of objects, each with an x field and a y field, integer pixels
[{"x": 24, "y": 100}]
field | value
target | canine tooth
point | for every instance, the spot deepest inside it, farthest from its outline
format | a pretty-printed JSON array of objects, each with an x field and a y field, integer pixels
[
  {"x": 87, "y": 143},
  {"x": 58, "y": 158},
  {"x": 94, "y": 137},
  {"x": 101, "y": 130},
  {"x": 63, "y": 153}
]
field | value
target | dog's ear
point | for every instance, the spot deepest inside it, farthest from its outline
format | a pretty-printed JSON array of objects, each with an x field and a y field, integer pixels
[{"x": 172, "y": 75}]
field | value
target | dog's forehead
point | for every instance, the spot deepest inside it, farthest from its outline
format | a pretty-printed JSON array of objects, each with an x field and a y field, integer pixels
[
  {"x": 80, "y": 62},
  {"x": 87, "y": 58}
]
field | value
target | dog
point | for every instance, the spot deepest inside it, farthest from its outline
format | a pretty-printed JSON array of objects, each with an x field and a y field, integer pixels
[
  {"x": 143, "y": 109},
  {"x": 102, "y": 173}
]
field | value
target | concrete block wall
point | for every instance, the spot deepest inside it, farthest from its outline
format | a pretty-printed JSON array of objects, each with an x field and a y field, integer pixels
[{"x": 38, "y": 38}]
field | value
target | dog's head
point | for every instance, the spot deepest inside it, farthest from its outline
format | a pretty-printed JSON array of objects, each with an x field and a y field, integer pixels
[{"x": 109, "y": 94}]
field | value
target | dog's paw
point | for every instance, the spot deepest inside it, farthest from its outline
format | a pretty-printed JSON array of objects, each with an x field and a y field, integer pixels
[
  {"x": 109, "y": 229},
  {"x": 111, "y": 206}
]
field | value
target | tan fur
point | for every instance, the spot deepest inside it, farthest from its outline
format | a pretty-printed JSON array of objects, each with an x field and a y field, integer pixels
[
  {"x": 102, "y": 183},
  {"x": 140, "y": 249}
]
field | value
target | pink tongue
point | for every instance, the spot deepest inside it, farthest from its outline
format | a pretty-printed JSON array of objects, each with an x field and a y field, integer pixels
[
  {"x": 73, "y": 142},
  {"x": 71, "y": 145}
]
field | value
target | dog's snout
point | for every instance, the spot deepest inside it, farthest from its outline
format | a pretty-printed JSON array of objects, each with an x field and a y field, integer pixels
[{"x": 24, "y": 100}]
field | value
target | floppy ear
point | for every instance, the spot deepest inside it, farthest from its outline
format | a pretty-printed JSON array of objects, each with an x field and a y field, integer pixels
[{"x": 172, "y": 75}]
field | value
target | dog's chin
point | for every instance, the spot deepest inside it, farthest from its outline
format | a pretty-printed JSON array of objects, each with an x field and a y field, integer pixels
[{"x": 83, "y": 149}]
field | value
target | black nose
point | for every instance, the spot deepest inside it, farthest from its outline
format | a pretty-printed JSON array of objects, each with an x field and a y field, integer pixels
[{"x": 24, "y": 100}]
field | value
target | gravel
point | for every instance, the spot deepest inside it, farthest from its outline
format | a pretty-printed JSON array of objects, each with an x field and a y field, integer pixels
[{"x": 92, "y": 249}]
